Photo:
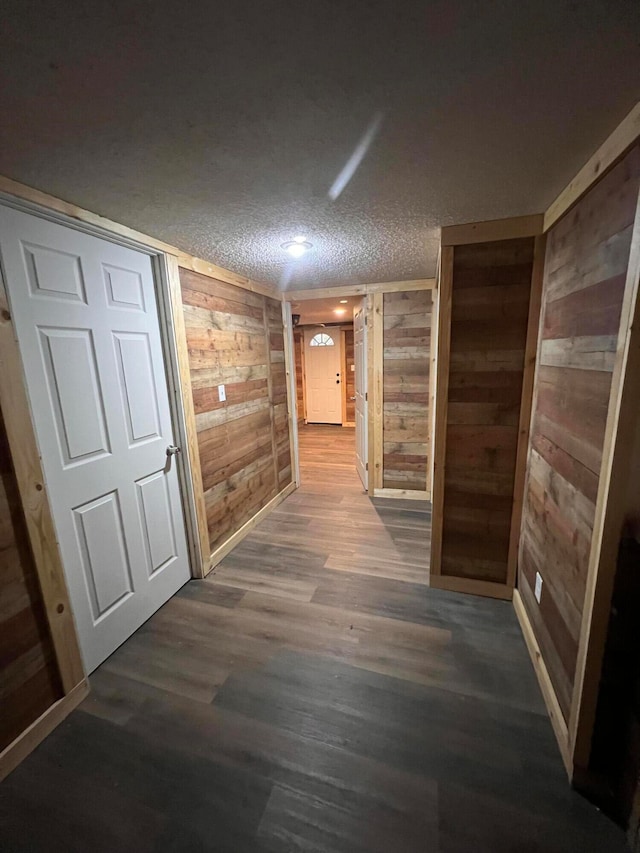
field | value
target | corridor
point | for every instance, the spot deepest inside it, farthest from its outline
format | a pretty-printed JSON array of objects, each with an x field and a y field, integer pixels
[{"x": 312, "y": 694}]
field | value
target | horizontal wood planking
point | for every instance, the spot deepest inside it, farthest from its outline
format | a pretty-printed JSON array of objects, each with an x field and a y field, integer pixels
[
  {"x": 585, "y": 269},
  {"x": 488, "y": 334},
  {"x": 235, "y": 337},
  {"x": 406, "y": 366},
  {"x": 29, "y": 678}
]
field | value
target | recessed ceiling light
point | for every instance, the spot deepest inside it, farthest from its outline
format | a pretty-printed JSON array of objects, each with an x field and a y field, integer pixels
[
  {"x": 344, "y": 301},
  {"x": 297, "y": 247},
  {"x": 339, "y": 310}
]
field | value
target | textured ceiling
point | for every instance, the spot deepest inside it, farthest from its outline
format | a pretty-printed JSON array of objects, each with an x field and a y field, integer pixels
[
  {"x": 222, "y": 127},
  {"x": 324, "y": 310}
]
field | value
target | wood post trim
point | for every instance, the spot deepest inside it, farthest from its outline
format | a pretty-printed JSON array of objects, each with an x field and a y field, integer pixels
[
  {"x": 526, "y": 405},
  {"x": 614, "y": 147},
  {"x": 196, "y": 498},
  {"x": 439, "y": 442},
  {"x": 25, "y": 455}
]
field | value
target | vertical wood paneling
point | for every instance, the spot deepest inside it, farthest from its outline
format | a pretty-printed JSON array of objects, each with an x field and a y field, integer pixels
[
  {"x": 407, "y": 344},
  {"x": 29, "y": 680},
  {"x": 584, "y": 279},
  {"x": 490, "y": 296},
  {"x": 235, "y": 338}
]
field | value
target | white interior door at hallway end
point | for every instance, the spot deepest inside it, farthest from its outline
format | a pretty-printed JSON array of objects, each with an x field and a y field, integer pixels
[
  {"x": 323, "y": 379},
  {"x": 87, "y": 324},
  {"x": 360, "y": 359}
]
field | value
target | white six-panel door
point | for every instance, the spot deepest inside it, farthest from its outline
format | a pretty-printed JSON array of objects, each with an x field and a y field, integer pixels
[
  {"x": 323, "y": 366},
  {"x": 360, "y": 359},
  {"x": 87, "y": 323}
]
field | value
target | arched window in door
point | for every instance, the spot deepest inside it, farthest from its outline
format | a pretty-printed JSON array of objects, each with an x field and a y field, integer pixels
[{"x": 321, "y": 340}]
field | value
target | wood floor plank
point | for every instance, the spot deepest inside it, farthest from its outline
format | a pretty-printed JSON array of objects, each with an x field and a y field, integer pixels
[{"x": 312, "y": 694}]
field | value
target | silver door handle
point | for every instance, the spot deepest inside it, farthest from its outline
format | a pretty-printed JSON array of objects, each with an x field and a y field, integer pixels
[
  {"x": 172, "y": 450},
  {"x": 352, "y": 398}
]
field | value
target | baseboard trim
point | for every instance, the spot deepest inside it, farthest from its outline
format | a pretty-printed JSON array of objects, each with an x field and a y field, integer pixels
[
  {"x": 544, "y": 680},
  {"x": 472, "y": 587},
  {"x": 402, "y": 494},
  {"x": 221, "y": 552},
  {"x": 12, "y": 755}
]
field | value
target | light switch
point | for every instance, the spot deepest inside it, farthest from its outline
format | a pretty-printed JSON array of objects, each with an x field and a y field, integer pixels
[
  {"x": 353, "y": 368},
  {"x": 222, "y": 394},
  {"x": 538, "y": 588}
]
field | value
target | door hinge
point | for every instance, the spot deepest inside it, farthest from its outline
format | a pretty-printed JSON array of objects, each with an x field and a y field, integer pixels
[
  {"x": 366, "y": 396},
  {"x": 366, "y": 466}
]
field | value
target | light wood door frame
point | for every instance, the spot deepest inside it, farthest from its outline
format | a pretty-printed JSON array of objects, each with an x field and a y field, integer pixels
[
  {"x": 175, "y": 363},
  {"x": 292, "y": 391}
]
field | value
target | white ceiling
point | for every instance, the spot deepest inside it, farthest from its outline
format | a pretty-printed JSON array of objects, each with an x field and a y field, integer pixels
[
  {"x": 221, "y": 127},
  {"x": 324, "y": 310}
]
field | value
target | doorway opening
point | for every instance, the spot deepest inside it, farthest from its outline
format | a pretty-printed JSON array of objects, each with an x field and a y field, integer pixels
[{"x": 330, "y": 366}]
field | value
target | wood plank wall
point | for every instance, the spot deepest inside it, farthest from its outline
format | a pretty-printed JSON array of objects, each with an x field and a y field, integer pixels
[
  {"x": 350, "y": 379},
  {"x": 29, "y": 681},
  {"x": 585, "y": 269},
  {"x": 406, "y": 362},
  {"x": 489, "y": 315},
  {"x": 235, "y": 338}
]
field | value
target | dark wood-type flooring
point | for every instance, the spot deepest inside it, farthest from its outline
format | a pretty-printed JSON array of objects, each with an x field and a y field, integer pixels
[{"x": 313, "y": 694}]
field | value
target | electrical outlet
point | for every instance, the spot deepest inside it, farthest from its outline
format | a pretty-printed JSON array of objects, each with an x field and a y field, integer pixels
[
  {"x": 353, "y": 368},
  {"x": 222, "y": 394},
  {"x": 538, "y": 589}
]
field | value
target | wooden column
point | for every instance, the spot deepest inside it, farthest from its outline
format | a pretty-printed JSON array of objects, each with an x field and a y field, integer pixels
[{"x": 489, "y": 302}]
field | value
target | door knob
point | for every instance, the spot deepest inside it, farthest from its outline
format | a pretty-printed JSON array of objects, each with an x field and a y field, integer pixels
[
  {"x": 172, "y": 450},
  {"x": 337, "y": 381}
]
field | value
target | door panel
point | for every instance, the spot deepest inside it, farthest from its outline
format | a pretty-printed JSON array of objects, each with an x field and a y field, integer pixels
[
  {"x": 360, "y": 357},
  {"x": 323, "y": 376},
  {"x": 87, "y": 323},
  {"x": 157, "y": 518},
  {"x": 72, "y": 382},
  {"x": 107, "y": 571},
  {"x": 139, "y": 391}
]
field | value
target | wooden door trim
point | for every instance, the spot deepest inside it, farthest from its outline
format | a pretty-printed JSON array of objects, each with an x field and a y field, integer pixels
[
  {"x": 292, "y": 401},
  {"x": 174, "y": 335},
  {"x": 343, "y": 374},
  {"x": 374, "y": 317},
  {"x": 25, "y": 455}
]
